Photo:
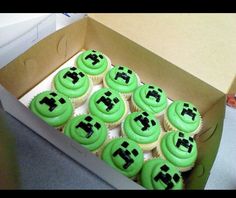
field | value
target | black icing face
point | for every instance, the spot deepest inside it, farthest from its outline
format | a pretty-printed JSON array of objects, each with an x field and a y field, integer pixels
[
  {"x": 154, "y": 93},
  {"x": 93, "y": 57},
  {"x": 89, "y": 125},
  {"x": 168, "y": 177},
  {"x": 51, "y": 101},
  {"x": 109, "y": 100},
  {"x": 123, "y": 74},
  {"x": 189, "y": 112},
  {"x": 184, "y": 142},
  {"x": 73, "y": 75},
  {"x": 145, "y": 121},
  {"x": 125, "y": 154}
]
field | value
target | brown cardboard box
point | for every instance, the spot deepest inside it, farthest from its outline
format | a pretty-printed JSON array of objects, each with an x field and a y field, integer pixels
[{"x": 191, "y": 56}]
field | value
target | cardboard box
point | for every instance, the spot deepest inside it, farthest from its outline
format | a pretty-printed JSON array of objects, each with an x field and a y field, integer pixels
[{"x": 182, "y": 53}]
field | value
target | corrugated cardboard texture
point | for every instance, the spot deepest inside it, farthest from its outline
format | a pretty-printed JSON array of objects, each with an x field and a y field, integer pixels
[
  {"x": 177, "y": 83},
  {"x": 33, "y": 66},
  {"x": 201, "y": 44}
]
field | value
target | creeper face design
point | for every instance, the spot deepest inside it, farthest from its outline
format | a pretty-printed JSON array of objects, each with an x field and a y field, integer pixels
[
  {"x": 189, "y": 110},
  {"x": 51, "y": 101},
  {"x": 184, "y": 142},
  {"x": 93, "y": 57},
  {"x": 108, "y": 100},
  {"x": 74, "y": 76},
  {"x": 88, "y": 125},
  {"x": 124, "y": 74},
  {"x": 144, "y": 121},
  {"x": 127, "y": 153},
  {"x": 165, "y": 176},
  {"x": 154, "y": 93}
]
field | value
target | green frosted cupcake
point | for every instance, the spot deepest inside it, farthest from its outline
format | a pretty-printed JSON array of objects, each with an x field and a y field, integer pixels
[
  {"x": 183, "y": 116},
  {"x": 87, "y": 130},
  {"x": 159, "y": 174},
  {"x": 149, "y": 98},
  {"x": 143, "y": 128},
  {"x": 94, "y": 64},
  {"x": 109, "y": 106},
  {"x": 178, "y": 148},
  {"x": 122, "y": 79},
  {"x": 74, "y": 84},
  {"x": 124, "y": 155},
  {"x": 53, "y": 107}
]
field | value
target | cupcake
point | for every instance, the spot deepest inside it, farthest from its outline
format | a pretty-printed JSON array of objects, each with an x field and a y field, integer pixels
[
  {"x": 88, "y": 130},
  {"x": 122, "y": 79},
  {"x": 109, "y": 106},
  {"x": 74, "y": 84},
  {"x": 159, "y": 174},
  {"x": 183, "y": 116},
  {"x": 94, "y": 64},
  {"x": 53, "y": 107},
  {"x": 124, "y": 155},
  {"x": 149, "y": 98},
  {"x": 143, "y": 128},
  {"x": 178, "y": 148}
]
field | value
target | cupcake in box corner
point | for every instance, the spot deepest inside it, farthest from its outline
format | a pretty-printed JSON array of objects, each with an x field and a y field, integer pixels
[
  {"x": 124, "y": 155},
  {"x": 74, "y": 84},
  {"x": 122, "y": 79},
  {"x": 159, "y": 174},
  {"x": 53, "y": 107},
  {"x": 178, "y": 148},
  {"x": 94, "y": 64},
  {"x": 88, "y": 130},
  {"x": 149, "y": 98},
  {"x": 143, "y": 128},
  {"x": 109, "y": 106},
  {"x": 183, "y": 116}
]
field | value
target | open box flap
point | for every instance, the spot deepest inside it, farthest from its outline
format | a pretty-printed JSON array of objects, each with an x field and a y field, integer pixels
[{"x": 201, "y": 44}]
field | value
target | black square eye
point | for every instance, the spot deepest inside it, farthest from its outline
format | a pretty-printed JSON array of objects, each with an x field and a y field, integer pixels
[
  {"x": 181, "y": 134},
  {"x": 116, "y": 100},
  {"x": 125, "y": 144},
  {"x": 81, "y": 74},
  {"x": 194, "y": 109},
  {"x": 62, "y": 101},
  {"x": 165, "y": 168},
  {"x": 135, "y": 152},
  {"x": 160, "y": 90},
  {"x": 93, "y": 51},
  {"x": 151, "y": 87},
  {"x": 176, "y": 177},
  {"x": 186, "y": 105},
  {"x": 108, "y": 93},
  {"x": 145, "y": 113},
  {"x": 53, "y": 94},
  {"x": 101, "y": 56},
  {"x": 88, "y": 118},
  {"x": 120, "y": 68},
  {"x": 190, "y": 139},
  {"x": 72, "y": 68},
  {"x": 153, "y": 123},
  {"x": 129, "y": 71},
  {"x": 97, "y": 125}
]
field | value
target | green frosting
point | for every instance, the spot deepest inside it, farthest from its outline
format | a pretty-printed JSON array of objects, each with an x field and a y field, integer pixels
[
  {"x": 88, "y": 130},
  {"x": 179, "y": 148},
  {"x": 159, "y": 174},
  {"x": 124, "y": 155},
  {"x": 150, "y": 98},
  {"x": 184, "y": 116},
  {"x": 71, "y": 82},
  {"x": 121, "y": 79},
  {"x": 142, "y": 127},
  {"x": 92, "y": 62},
  {"x": 53, "y": 107},
  {"x": 107, "y": 104}
]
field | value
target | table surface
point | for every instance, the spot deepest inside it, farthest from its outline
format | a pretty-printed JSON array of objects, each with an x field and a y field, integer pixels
[{"x": 42, "y": 166}]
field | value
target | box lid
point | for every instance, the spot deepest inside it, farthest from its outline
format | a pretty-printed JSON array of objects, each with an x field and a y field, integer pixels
[{"x": 201, "y": 44}]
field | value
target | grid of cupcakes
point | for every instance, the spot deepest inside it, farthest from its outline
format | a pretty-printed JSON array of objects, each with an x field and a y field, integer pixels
[{"x": 151, "y": 142}]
